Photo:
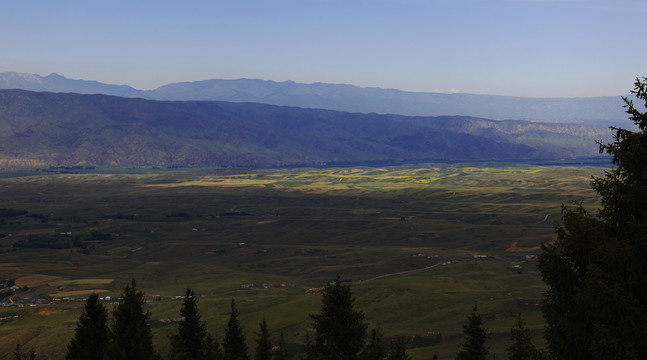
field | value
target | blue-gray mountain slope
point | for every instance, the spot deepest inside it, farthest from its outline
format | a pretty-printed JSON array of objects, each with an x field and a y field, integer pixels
[{"x": 43, "y": 128}]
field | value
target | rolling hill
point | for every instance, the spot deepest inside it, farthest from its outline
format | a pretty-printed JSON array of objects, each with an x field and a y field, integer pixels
[{"x": 42, "y": 128}]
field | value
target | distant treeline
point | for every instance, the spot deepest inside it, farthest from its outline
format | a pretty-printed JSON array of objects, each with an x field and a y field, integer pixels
[
  {"x": 12, "y": 212},
  {"x": 61, "y": 241}
]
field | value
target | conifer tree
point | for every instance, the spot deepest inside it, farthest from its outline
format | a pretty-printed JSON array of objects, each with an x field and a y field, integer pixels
[
  {"x": 340, "y": 331},
  {"x": 130, "y": 334},
  {"x": 397, "y": 350},
  {"x": 19, "y": 353},
  {"x": 311, "y": 353},
  {"x": 280, "y": 352},
  {"x": 473, "y": 346},
  {"x": 522, "y": 347},
  {"x": 91, "y": 333},
  {"x": 190, "y": 341},
  {"x": 263, "y": 343},
  {"x": 596, "y": 304},
  {"x": 376, "y": 349},
  {"x": 213, "y": 351},
  {"x": 234, "y": 345}
]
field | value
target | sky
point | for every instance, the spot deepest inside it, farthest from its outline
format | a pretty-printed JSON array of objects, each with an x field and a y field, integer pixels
[{"x": 530, "y": 48}]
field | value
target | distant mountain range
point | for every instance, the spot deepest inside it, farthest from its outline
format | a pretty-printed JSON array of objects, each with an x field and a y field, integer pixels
[
  {"x": 50, "y": 129},
  {"x": 601, "y": 111}
]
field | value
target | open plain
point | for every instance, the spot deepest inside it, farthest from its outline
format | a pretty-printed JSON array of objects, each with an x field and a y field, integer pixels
[{"x": 421, "y": 244}]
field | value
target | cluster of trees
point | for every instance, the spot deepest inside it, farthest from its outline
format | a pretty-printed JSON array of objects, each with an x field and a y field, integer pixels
[
  {"x": 12, "y": 212},
  {"x": 474, "y": 345},
  {"x": 339, "y": 333},
  {"x": 66, "y": 241},
  {"x": 7, "y": 283},
  {"x": 23, "y": 354},
  {"x": 596, "y": 305},
  {"x": 48, "y": 242},
  {"x": 129, "y": 334}
]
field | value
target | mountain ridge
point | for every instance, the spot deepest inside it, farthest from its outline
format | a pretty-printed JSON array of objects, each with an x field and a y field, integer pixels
[{"x": 601, "y": 111}]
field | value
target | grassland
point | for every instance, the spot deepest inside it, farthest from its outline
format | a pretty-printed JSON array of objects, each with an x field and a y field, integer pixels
[{"x": 406, "y": 236}]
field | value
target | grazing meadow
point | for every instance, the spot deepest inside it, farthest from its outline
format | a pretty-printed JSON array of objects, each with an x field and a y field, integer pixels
[{"x": 421, "y": 245}]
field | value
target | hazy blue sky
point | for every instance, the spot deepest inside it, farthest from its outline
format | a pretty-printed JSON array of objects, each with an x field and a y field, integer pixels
[{"x": 506, "y": 47}]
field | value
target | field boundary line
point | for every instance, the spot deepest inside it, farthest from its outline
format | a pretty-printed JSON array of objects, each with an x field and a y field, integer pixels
[{"x": 403, "y": 272}]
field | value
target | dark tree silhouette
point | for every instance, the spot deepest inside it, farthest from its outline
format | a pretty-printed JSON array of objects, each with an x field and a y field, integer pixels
[
  {"x": 596, "y": 304},
  {"x": 91, "y": 333},
  {"x": 263, "y": 343},
  {"x": 397, "y": 350},
  {"x": 473, "y": 346},
  {"x": 234, "y": 345},
  {"x": 130, "y": 334},
  {"x": 190, "y": 341},
  {"x": 280, "y": 352},
  {"x": 19, "y": 354},
  {"x": 376, "y": 349},
  {"x": 340, "y": 331},
  {"x": 522, "y": 347},
  {"x": 213, "y": 351}
]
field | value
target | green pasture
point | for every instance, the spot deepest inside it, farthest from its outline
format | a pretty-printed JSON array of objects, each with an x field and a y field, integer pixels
[
  {"x": 406, "y": 237},
  {"x": 81, "y": 282}
]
